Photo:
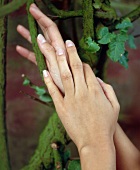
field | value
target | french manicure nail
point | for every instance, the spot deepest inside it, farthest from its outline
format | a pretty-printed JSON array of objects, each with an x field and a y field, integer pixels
[
  {"x": 69, "y": 43},
  {"x": 41, "y": 39},
  {"x": 45, "y": 73},
  {"x": 60, "y": 51}
]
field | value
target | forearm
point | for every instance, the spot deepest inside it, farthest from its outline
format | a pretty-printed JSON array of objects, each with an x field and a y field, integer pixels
[
  {"x": 127, "y": 155},
  {"x": 98, "y": 157}
]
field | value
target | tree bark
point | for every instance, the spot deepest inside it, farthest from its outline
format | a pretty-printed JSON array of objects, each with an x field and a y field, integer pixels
[{"x": 4, "y": 156}]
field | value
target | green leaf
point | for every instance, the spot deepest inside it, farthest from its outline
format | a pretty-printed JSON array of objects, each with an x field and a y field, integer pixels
[
  {"x": 26, "y": 82},
  {"x": 124, "y": 60},
  {"x": 105, "y": 36},
  {"x": 74, "y": 165},
  {"x": 45, "y": 98},
  {"x": 116, "y": 50},
  {"x": 102, "y": 32},
  {"x": 92, "y": 45},
  {"x": 66, "y": 155},
  {"x": 131, "y": 42},
  {"x": 122, "y": 37},
  {"x": 40, "y": 90},
  {"x": 124, "y": 25}
]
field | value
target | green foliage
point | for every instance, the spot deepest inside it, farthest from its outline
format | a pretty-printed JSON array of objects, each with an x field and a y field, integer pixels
[
  {"x": 45, "y": 155},
  {"x": 131, "y": 42},
  {"x": 92, "y": 47},
  {"x": 26, "y": 82},
  {"x": 116, "y": 41},
  {"x": 124, "y": 25},
  {"x": 74, "y": 165},
  {"x": 40, "y": 91},
  {"x": 105, "y": 36},
  {"x": 124, "y": 59}
]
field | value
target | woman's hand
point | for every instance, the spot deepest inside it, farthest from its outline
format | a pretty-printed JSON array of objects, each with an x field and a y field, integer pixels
[
  {"x": 52, "y": 36},
  {"x": 85, "y": 111}
]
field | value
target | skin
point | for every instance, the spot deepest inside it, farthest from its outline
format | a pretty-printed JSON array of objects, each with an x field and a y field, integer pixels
[
  {"x": 88, "y": 116},
  {"x": 124, "y": 158}
]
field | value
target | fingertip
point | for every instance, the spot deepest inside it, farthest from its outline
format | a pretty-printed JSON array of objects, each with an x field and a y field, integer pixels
[
  {"x": 19, "y": 27},
  {"x": 100, "y": 80},
  {"x": 18, "y": 47},
  {"x": 69, "y": 43}
]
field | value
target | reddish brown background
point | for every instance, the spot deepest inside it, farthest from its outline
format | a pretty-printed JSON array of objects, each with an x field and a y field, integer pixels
[{"x": 26, "y": 118}]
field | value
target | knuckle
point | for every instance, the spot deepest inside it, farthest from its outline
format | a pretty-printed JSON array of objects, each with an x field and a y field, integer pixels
[
  {"x": 86, "y": 65},
  {"x": 48, "y": 48},
  {"x": 66, "y": 76},
  {"x": 61, "y": 58},
  {"x": 77, "y": 65}
]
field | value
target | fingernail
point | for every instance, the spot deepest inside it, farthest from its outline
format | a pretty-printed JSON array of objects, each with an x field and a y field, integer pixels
[
  {"x": 34, "y": 6},
  {"x": 45, "y": 73},
  {"x": 41, "y": 39},
  {"x": 101, "y": 81},
  {"x": 60, "y": 51},
  {"x": 69, "y": 43}
]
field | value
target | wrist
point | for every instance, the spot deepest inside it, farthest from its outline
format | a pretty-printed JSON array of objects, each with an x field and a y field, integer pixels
[
  {"x": 102, "y": 142},
  {"x": 99, "y": 156}
]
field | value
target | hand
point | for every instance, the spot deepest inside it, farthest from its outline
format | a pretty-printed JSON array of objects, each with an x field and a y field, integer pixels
[
  {"x": 85, "y": 111},
  {"x": 49, "y": 28}
]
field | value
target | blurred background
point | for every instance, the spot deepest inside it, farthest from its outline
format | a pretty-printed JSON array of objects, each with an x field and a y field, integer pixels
[{"x": 26, "y": 118}]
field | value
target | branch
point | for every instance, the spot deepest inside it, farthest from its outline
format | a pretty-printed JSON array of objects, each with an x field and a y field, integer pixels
[
  {"x": 35, "y": 99},
  {"x": 61, "y": 13},
  {"x": 88, "y": 31},
  {"x": 107, "y": 13},
  {"x": 33, "y": 31},
  {"x": 133, "y": 15},
  {"x": 11, "y": 7},
  {"x": 4, "y": 155}
]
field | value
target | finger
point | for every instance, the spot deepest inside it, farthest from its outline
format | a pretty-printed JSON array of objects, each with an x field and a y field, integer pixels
[
  {"x": 50, "y": 56},
  {"x": 45, "y": 32},
  {"x": 109, "y": 92},
  {"x": 49, "y": 27},
  {"x": 76, "y": 66},
  {"x": 26, "y": 53},
  {"x": 53, "y": 90},
  {"x": 90, "y": 78},
  {"x": 24, "y": 33},
  {"x": 65, "y": 73}
]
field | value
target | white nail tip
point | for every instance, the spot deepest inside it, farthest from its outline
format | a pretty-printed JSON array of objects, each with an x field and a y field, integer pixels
[
  {"x": 69, "y": 43},
  {"x": 45, "y": 73},
  {"x": 41, "y": 38}
]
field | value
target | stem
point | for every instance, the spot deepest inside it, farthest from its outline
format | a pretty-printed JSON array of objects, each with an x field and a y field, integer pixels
[
  {"x": 11, "y": 7},
  {"x": 61, "y": 13},
  {"x": 33, "y": 31},
  {"x": 133, "y": 15},
  {"x": 4, "y": 155}
]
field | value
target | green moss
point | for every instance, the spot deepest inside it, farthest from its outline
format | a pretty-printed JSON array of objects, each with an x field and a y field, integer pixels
[
  {"x": 33, "y": 31},
  {"x": 45, "y": 156},
  {"x": 4, "y": 158},
  {"x": 11, "y": 7}
]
